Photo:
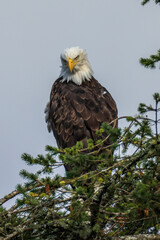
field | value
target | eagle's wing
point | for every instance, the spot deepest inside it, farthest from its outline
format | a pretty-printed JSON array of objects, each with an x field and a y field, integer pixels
[{"x": 74, "y": 112}]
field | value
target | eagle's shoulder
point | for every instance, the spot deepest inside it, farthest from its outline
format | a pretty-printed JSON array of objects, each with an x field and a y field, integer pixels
[{"x": 102, "y": 97}]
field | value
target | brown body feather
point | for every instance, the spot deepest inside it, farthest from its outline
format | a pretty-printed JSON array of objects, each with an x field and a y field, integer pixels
[{"x": 76, "y": 112}]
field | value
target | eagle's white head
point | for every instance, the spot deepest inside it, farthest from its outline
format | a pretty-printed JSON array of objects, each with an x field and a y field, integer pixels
[{"x": 75, "y": 66}]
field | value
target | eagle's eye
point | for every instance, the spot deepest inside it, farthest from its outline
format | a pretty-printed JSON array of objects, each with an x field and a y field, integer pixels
[
  {"x": 64, "y": 60},
  {"x": 76, "y": 58}
]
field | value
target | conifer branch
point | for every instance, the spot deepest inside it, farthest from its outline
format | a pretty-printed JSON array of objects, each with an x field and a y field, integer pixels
[
  {"x": 147, "y": 1},
  {"x": 15, "y": 193},
  {"x": 151, "y": 62}
]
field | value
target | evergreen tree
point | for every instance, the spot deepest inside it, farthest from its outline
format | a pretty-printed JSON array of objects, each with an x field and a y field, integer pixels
[{"x": 120, "y": 197}]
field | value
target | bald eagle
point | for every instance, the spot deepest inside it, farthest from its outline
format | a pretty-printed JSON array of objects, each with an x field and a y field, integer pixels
[{"x": 78, "y": 102}]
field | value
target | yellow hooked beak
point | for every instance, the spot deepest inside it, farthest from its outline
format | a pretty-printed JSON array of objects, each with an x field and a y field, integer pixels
[{"x": 71, "y": 64}]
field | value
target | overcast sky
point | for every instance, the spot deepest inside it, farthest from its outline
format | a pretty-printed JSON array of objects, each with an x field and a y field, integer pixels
[{"x": 33, "y": 33}]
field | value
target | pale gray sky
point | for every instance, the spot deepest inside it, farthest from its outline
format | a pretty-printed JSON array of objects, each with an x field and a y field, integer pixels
[{"x": 33, "y": 33}]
